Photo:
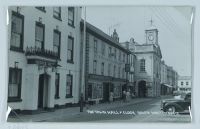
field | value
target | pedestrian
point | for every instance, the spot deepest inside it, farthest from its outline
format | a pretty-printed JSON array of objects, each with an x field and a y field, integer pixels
[
  {"x": 124, "y": 96},
  {"x": 81, "y": 102},
  {"x": 111, "y": 97},
  {"x": 128, "y": 96}
]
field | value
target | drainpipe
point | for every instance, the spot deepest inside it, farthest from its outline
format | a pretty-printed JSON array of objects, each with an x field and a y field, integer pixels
[{"x": 82, "y": 60}]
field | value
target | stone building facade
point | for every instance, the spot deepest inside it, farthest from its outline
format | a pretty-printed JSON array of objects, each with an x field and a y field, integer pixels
[
  {"x": 148, "y": 66},
  {"x": 105, "y": 65}
]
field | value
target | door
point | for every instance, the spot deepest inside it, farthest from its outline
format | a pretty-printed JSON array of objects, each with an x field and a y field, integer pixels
[
  {"x": 106, "y": 92},
  {"x": 41, "y": 91},
  {"x": 142, "y": 90}
]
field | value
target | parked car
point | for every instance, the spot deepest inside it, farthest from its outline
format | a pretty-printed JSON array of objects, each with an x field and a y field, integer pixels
[{"x": 177, "y": 105}]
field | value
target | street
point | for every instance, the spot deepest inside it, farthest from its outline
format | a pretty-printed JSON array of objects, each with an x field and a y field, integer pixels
[{"x": 148, "y": 111}]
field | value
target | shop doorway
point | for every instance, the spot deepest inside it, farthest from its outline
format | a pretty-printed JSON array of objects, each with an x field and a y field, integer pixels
[
  {"x": 106, "y": 91},
  {"x": 142, "y": 90}
]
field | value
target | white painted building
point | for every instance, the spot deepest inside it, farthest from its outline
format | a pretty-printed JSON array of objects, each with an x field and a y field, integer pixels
[
  {"x": 148, "y": 65},
  {"x": 184, "y": 84},
  {"x": 44, "y": 57}
]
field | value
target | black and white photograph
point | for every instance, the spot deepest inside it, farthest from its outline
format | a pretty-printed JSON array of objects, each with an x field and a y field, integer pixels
[{"x": 101, "y": 64}]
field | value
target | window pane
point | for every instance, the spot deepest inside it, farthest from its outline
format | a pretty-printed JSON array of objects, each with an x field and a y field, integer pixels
[
  {"x": 71, "y": 15},
  {"x": 13, "y": 90},
  {"x": 69, "y": 85},
  {"x": 15, "y": 39},
  {"x": 70, "y": 45},
  {"x": 39, "y": 33},
  {"x": 55, "y": 49},
  {"x": 56, "y": 39},
  {"x": 69, "y": 55},
  {"x": 57, "y": 12},
  {"x": 16, "y": 24},
  {"x": 38, "y": 44},
  {"x": 14, "y": 82}
]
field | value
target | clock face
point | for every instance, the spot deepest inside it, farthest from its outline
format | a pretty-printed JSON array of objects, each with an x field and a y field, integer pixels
[{"x": 151, "y": 37}]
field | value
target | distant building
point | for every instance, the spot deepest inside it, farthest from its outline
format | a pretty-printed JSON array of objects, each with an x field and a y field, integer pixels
[
  {"x": 147, "y": 65},
  {"x": 44, "y": 57},
  {"x": 132, "y": 62},
  {"x": 105, "y": 62},
  {"x": 184, "y": 84}
]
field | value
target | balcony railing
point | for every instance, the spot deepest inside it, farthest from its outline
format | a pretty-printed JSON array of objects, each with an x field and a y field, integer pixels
[{"x": 35, "y": 51}]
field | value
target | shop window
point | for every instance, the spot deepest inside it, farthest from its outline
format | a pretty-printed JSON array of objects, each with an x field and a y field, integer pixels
[{"x": 69, "y": 85}]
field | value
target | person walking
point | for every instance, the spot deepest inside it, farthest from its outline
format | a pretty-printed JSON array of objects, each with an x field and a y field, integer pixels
[
  {"x": 124, "y": 96},
  {"x": 128, "y": 95},
  {"x": 111, "y": 97}
]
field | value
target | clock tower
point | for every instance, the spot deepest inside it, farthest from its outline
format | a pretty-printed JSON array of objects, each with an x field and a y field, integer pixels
[{"x": 152, "y": 34}]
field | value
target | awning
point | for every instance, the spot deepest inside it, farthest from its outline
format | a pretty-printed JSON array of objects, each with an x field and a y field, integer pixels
[{"x": 167, "y": 85}]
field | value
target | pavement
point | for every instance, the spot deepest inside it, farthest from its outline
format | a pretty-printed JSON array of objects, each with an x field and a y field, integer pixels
[{"x": 74, "y": 111}]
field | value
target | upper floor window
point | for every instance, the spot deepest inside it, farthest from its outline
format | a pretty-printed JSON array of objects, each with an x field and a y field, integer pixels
[
  {"x": 114, "y": 71},
  {"x": 39, "y": 35},
  {"x": 70, "y": 51},
  {"x": 57, "y": 12},
  {"x": 103, "y": 48},
  {"x": 94, "y": 67},
  {"x": 56, "y": 42},
  {"x": 123, "y": 72},
  {"x": 124, "y": 56},
  {"x": 95, "y": 46},
  {"x": 109, "y": 71},
  {"x": 14, "y": 85},
  {"x": 71, "y": 16},
  {"x": 115, "y": 54},
  {"x": 17, "y": 27},
  {"x": 187, "y": 83},
  {"x": 69, "y": 85},
  {"x": 119, "y": 72},
  {"x": 119, "y": 55},
  {"x": 142, "y": 65},
  {"x": 102, "y": 68},
  {"x": 109, "y": 51},
  {"x": 181, "y": 83},
  {"x": 41, "y": 8}
]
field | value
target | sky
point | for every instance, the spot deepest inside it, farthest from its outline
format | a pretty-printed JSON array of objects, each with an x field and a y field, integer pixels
[{"x": 173, "y": 24}]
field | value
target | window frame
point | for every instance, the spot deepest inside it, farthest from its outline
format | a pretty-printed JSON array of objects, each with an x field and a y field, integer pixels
[
  {"x": 43, "y": 26},
  {"x": 71, "y": 86},
  {"x": 59, "y": 33},
  {"x": 109, "y": 69},
  {"x": 71, "y": 60},
  {"x": 95, "y": 46},
  {"x": 102, "y": 68},
  {"x": 14, "y": 48},
  {"x": 18, "y": 97},
  {"x": 142, "y": 65},
  {"x": 71, "y": 21},
  {"x": 103, "y": 47},
  {"x": 114, "y": 71},
  {"x": 59, "y": 13},
  {"x": 94, "y": 66},
  {"x": 182, "y": 83}
]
